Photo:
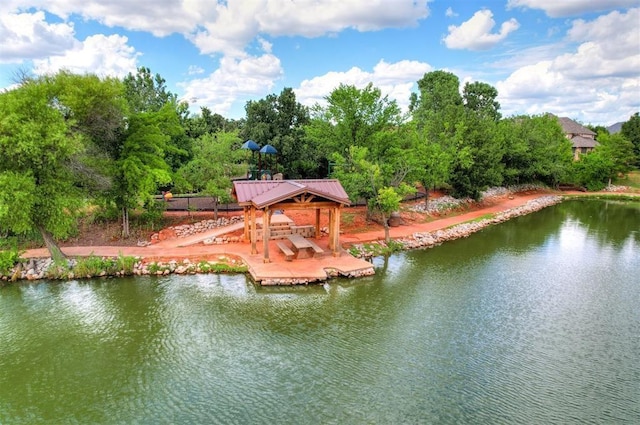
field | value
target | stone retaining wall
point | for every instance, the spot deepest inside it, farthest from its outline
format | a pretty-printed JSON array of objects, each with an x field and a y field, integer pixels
[{"x": 429, "y": 239}]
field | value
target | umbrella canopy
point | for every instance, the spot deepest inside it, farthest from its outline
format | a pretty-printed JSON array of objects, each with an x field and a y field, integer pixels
[
  {"x": 268, "y": 149},
  {"x": 251, "y": 145}
]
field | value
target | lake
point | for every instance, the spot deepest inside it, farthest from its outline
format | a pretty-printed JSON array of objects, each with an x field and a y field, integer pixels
[{"x": 536, "y": 320}]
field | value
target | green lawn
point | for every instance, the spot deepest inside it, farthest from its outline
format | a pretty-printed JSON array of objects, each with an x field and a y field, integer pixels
[{"x": 632, "y": 180}]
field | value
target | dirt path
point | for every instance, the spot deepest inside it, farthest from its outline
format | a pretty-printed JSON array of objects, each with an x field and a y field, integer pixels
[{"x": 171, "y": 249}]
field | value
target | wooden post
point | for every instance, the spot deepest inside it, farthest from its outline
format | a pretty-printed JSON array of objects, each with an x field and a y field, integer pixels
[
  {"x": 317, "y": 223},
  {"x": 245, "y": 211},
  {"x": 331, "y": 229},
  {"x": 266, "y": 233},
  {"x": 254, "y": 231},
  {"x": 336, "y": 231}
]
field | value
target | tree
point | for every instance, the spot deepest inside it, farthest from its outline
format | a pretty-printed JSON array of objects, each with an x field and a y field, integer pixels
[
  {"x": 36, "y": 144},
  {"x": 535, "y": 150},
  {"x": 619, "y": 149},
  {"x": 388, "y": 201},
  {"x": 140, "y": 167},
  {"x": 363, "y": 134},
  {"x": 146, "y": 92},
  {"x": 278, "y": 120},
  {"x": 594, "y": 170},
  {"x": 631, "y": 131},
  {"x": 480, "y": 98},
  {"x": 216, "y": 161}
]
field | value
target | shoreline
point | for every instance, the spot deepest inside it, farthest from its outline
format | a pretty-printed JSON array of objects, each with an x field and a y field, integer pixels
[{"x": 234, "y": 258}]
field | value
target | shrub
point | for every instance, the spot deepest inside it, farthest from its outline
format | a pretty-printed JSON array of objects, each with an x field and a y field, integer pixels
[{"x": 8, "y": 259}]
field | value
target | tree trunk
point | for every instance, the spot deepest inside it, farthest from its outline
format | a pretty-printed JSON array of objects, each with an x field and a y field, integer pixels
[
  {"x": 385, "y": 223},
  {"x": 426, "y": 198},
  {"x": 125, "y": 222},
  {"x": 54, "y": 250}
]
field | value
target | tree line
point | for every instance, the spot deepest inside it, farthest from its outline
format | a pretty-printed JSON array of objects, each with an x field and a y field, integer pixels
[{"x": 68, "y": 141}]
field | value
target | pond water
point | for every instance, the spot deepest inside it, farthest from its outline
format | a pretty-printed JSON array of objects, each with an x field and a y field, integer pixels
[{"x": 536, "y": 320}]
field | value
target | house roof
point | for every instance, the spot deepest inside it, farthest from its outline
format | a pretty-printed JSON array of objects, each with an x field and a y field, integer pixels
[
  {"x": 262, "y": 193},
  {"x": 583, "y": 142},
  {"x": 569, "y": 126}
]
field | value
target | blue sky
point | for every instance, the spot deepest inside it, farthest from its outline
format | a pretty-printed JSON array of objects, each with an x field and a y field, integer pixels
[{"x": 575, "y": 58}]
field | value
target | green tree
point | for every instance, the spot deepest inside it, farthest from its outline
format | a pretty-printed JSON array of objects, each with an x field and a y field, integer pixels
[
  {"x": 279, "y": 120},
  {"x": 621, "y": 151},
  {"x": 363, "y": 134},
  {"x": 535, "y": 150},
  {"x": 388, "y": 201},
  {"x": 594, "y": 170},
  {"x": 146, "y": 92},
  {"x": 36, "y": 145},
  {"x": 140, "y": 166},
  {"x": 217, "y": 160},
  {"x": 631, "y": 131},
  {"x": 481, "y": 98},
  {"x": 437, "y": 110}
]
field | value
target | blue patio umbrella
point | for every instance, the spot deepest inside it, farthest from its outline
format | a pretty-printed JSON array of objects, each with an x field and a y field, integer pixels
[
  {"x": 251, "y": 145},
  {"x": 268, "y": 150}
]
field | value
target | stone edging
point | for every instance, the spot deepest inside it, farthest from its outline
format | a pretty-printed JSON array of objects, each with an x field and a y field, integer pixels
[{"x": 429, "y": 239}]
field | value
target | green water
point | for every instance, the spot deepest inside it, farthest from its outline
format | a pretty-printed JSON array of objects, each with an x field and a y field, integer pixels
[{"x": 536, "y": 320}]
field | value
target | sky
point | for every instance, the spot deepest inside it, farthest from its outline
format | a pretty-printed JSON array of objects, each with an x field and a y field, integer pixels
[{"x": 574, "y": 58}]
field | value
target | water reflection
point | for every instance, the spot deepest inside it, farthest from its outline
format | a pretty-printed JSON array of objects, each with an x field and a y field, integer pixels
[{"x": 532, "y": 321}]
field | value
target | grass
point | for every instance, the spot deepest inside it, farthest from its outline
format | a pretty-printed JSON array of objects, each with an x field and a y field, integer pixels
[
  {"x": 632, "y": 180},
  {"x": 348, "y": 218}
]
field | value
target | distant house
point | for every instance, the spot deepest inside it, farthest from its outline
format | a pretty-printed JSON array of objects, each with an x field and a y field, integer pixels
[
  {"x": 615, "y": 128},
  {"x": 582, "y": 139}
]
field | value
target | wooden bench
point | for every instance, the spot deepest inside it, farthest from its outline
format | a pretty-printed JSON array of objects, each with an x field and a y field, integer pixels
[{"x": 288, "y": 254}]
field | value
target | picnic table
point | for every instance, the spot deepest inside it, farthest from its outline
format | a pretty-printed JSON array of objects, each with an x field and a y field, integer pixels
[{"x": 304, "y": 248}]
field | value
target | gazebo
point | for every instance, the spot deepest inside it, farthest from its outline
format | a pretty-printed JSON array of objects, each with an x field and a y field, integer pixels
[{"x": 272, "y": 195}]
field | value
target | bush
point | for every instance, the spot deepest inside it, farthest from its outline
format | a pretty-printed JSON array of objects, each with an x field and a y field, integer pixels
[{"x": 8, "y": 259}]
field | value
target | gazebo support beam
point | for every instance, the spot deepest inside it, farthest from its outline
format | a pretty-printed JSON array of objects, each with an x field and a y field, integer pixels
[
  {"x": 266, "y": 234},
  {"x": 254, "y": 232},
  {"x": 245, "y": 212},
  {"x": 335, "y": 237},
  {"x": 318, "y": 223}
]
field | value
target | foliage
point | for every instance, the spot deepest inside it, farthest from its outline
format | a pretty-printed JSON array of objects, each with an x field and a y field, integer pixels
[
  {"x": 217, "y": 160},
  {"x": 535, "y": 150},
  {"x": 8, "y": 259},
  {"x": 278, "y": 120},
  {"x": 37, "y": 141},
  {"x": 126, "y": 264},
  {"x": 631, "y": 131},
  {"x": 96, "y": 266},
  {"x": 92, "y": 266},
  {"x": 388, "y": 200},
  {"x": 619, "y": 150},
  {"x": 146, "y": 92},
  {"x": 594, "y": 170}
]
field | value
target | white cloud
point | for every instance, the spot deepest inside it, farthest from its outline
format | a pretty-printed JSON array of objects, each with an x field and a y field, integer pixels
[
  {"x": 393, "y": 79},
  {"x": 236, "y": 80},
  {"x": 449, "y": 13},
  {"x": 616, "y": 33},
  {"x": 26, "y": 36},
  {"x": 563, "y": 8},
  {"x": 159, "y": 17},
  {"x": 98, "y": 54},
  {"x": 592, "y": 83},
  {"x": 195, "y": 70},
  {"x": 236, "y": 23},
  {"x": 475, "y": 34}
]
